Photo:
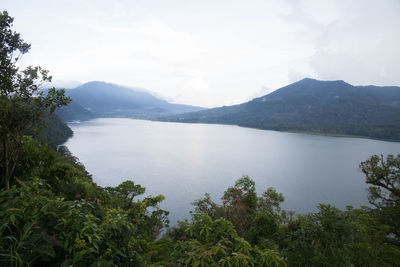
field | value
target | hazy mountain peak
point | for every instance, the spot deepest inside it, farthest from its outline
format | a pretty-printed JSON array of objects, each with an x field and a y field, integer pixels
[
  {"x": 306, "y": 80},
  {"x": 96, "y": 83},
  {"x": 105, "y": 99},
  {"x": 315, "y": 81}
]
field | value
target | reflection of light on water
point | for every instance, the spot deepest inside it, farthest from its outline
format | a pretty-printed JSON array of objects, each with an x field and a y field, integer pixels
[{"x": 184, "y": 161}]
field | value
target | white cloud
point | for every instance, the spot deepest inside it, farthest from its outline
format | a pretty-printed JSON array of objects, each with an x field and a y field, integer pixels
[
  {"x": 65, "y": 84},
  {"x": 361, "y": 46},
  {"x": 212, "y": 52},
  {"x": 294, "y": 76}
]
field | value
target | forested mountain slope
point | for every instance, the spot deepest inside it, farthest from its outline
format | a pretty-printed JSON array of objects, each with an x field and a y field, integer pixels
[
  {"x": 74, "y": 111},
  {"x": 323, "y": 107}
]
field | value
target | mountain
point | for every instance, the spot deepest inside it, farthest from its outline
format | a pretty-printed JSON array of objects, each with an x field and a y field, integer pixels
[
  {"x": 321, "y": 107},
  {"x": 100, "y": 99},
  {"x": 74, "y": 111}
]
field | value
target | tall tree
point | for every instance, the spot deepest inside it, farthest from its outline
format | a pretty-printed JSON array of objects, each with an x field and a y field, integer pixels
[{"x": 22, "y": 106}]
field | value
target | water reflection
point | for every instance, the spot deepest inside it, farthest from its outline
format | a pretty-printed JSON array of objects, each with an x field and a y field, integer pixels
[{"x": 183, "y": 161}]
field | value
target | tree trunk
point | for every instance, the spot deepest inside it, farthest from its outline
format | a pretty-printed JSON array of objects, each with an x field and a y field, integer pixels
[{"x": 6, "y": 163}]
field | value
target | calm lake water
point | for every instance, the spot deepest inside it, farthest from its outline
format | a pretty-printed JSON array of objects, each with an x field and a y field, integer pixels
[{"x": 184, "y": 161}]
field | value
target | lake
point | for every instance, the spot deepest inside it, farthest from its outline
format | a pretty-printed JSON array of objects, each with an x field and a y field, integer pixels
[{"x": 184, "y": 161}]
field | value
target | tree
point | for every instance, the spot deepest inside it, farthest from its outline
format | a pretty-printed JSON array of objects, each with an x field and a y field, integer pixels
[
  {"x": 332, "y": 237},
  {"x": 255, "y": 218},
  {"x": 384, "y": 193},
  {"x": 384, "y": 178},
  {"x": 22, "y": 106},
  {"x": 148, "y": 217},
  {"x": 209, "y": 242}
]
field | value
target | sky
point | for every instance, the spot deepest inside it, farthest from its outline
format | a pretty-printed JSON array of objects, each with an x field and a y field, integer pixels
[{"x": 211, "y": 52}]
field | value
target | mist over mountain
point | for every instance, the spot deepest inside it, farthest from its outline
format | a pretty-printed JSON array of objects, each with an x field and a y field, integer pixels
[
  {"x": 101, "y": 99},
  {"x": 313, "y": 106}
]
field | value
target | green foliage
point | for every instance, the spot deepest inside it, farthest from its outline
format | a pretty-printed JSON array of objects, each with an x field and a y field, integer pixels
[
  {"x": 63, "y": 172},
  {"x": 211, "y": 242},
  {"x": 148, "y": 224},
  {"x": 22, "y": 107},
  {"x": 255, "y": 218},
  {"x": 332, "y": 237},
  {"x": 39, "y": 228},
  {"x": 383, "y": 176},
  {"x": 29, "y": 212},
  {"x": 54, "y": 132},
  {"x": 64, "y": 218}
]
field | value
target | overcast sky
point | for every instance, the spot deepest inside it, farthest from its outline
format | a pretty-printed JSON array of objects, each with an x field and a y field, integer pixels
[{"x": 211, "y": 53}]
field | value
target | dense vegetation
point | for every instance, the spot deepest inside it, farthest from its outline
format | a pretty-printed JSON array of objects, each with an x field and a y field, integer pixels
[
  {"x": 53, "y": 214},
  {"x": 322, "y": 107},
  {"x": 54, "y": 131}
]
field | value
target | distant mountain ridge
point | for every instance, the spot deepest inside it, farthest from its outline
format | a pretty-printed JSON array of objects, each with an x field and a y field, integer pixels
[
  {"x": 101, "y": 99},
  {"x": 313, "y": 106}
]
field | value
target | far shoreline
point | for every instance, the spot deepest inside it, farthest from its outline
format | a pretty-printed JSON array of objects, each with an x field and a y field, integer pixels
[{"x": 263, "y": 129}]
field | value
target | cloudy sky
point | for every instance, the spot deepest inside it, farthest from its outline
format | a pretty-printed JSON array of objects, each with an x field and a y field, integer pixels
[{"x": 211, "y": 52}]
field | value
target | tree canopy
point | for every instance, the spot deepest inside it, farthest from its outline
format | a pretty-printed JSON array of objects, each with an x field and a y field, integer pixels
[{"x": 22, "y": 106}]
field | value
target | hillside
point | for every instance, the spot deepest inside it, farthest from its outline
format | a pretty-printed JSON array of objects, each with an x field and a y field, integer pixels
[
  {"x": 100, "y": 99},
  {"x": 322, "y": 107},
  {"x": 74, "y": 111},
  {"x": 55, "y": 131}
]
